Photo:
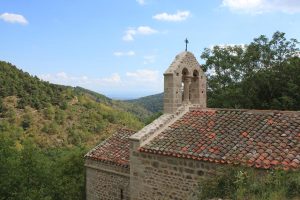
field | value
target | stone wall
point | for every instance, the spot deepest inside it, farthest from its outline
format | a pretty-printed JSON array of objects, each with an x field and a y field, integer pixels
[
  {"x": 169, "y": 178},
  {"x": 106, "y": 181}
]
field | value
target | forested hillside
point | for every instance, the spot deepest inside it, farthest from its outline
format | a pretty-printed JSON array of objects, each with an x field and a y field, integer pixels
[
  {"x": 30, "y": 90},
  {"x": 56, "y": 115},
  {"x": 45, "y": 130}
]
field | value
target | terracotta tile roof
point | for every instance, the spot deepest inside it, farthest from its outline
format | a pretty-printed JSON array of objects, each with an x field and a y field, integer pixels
[
  {"x": 114, "y": 150},
  {"x": 262, "y": 139}
]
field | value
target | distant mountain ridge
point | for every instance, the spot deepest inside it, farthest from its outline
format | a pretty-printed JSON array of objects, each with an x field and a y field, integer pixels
[
  {"x": 153, "y": 103},
  {"x": 140, "y": 111},
  {"x": 150, "y": 104}
]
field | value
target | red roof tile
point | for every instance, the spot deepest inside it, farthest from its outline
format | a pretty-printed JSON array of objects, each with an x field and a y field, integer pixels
[
  {"x": 114, "y": 150},
  {"x": 263, "y": 139}
]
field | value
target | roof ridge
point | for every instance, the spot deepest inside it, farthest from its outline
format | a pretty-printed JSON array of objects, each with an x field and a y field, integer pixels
[
  {"x": 246, "y": 110},
  {"x": 127, "y": 129}
]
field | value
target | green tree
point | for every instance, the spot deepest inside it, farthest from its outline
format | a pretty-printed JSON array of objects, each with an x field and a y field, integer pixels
[
  {"x": 27, "y": 121},
  {"x": 9, "y": 162},
  {"x": 49, "y": 112},
  {"x": 261, "y": 75},
  {"x": 10, "y": 114},
  {"x": 1, "y": 106}
]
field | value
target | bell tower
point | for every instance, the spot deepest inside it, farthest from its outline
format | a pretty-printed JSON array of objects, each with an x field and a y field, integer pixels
[{"x": 184, "y": 83}]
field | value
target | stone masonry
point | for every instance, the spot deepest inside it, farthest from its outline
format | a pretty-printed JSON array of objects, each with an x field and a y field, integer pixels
[
  {"x": 160, "y": 177},
  {"x": 104, "y": 181}
]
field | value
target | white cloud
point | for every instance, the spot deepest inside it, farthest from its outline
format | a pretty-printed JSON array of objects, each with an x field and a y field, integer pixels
[
  {"x": 141, "y": 2},
  {"x": 144, "y": 75},
  {"x": 141, "y": 30},
  {"x": 66, "y": 79},
  {"x": 129, "y": 34},
  {"x": 13, "y": 18},
  {"x": 243, "y": 4},
  {"x": 114, "y": 78},
  {"x": 62, "y": 75},
  {"x": 145, "y": 30},
  {"x": 120, "y": 53},
  {"x": 262, "y": 6},
  {"x": 179, "y": 16}
]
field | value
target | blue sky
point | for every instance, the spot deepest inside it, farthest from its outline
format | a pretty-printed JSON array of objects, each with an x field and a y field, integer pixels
[{"x": 122, "y": 47}]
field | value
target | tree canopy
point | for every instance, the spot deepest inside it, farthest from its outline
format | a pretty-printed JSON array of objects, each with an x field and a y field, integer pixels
[{"x": 262, "y": 75}]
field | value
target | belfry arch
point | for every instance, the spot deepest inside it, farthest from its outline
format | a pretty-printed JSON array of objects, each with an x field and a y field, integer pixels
[{"x": 185, "y": 82}]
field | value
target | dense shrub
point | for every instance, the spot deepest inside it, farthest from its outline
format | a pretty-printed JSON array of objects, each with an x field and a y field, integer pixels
[
  {"x": 245, "y": 183},
  {"x": 33, "y": 173}
]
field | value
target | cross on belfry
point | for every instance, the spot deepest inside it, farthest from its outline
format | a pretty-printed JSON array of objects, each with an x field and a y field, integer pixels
[{"x": 186, "y": 43}]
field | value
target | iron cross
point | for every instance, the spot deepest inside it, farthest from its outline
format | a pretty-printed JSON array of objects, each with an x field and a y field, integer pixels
[{"x": 186, "y": 43}]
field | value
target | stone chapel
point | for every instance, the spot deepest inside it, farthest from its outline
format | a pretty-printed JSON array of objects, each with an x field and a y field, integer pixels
[{"x": 165, "y": 159}]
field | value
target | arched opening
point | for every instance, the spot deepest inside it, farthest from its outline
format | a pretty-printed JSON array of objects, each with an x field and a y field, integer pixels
[
  {"x": 195, "y": 75},
  {"x": 185, "y": 72},
  {"x": 185, "y": 85},
  {"x": 195, "y": 89}
]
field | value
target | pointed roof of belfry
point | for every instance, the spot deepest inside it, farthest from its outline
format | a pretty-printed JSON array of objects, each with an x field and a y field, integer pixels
[{"x": 185, "y": 59}]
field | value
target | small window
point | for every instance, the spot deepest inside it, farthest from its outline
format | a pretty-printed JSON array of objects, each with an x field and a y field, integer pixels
[{"x": 121, "y": 194}]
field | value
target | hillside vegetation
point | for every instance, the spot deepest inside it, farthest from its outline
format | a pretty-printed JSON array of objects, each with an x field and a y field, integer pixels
[
  {"x": 56, "y": 115},
  {"x": 242, "y": 183},
  {"x": 30, "y": 90},
  {"x": 45, "y": 130}
]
